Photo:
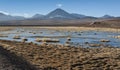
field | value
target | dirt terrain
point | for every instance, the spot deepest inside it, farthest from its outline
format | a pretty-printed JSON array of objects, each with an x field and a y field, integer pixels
[
  {"x": 108, "y": 23},
  {"x": 58, "y": 57}
]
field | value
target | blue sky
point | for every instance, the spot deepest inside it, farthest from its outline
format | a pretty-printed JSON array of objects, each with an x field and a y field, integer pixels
[{"x": 87, "y": 7}]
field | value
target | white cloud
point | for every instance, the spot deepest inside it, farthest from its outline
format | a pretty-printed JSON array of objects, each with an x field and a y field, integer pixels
[
  {"x": 16, "y": 14},
  {"x": 19, "y": 14},
  {"x": 59, "y": 5},
  {"x": 4, "y": 12}
]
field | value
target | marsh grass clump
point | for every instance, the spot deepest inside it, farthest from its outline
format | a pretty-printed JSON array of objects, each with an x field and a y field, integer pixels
[
  {"x": 104, "y": 40},
  {"x": 38, "y": 40},
  {"x": 67, "y": 45},
  {"x": 46, "y": 40},
  {"x": 30, "y": 43},
  {"x": 94, "y": 45},
  {"x": 118, "y": 37},
  {"x": 16, "y": 37},
  {"x": 3, "y": 35},
  {"x": 34, "y": 33},
  {"x": 68, "y": 39},
  {"x": 24, "y": 39},
  {"x": 44, "y": 44}
]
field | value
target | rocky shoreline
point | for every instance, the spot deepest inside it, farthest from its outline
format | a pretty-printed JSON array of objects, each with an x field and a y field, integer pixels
[{"x": 58, "y": 57}]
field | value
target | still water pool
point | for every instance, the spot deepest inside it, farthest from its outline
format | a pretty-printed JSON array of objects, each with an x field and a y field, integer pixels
[{"x": 78, "y": 38}]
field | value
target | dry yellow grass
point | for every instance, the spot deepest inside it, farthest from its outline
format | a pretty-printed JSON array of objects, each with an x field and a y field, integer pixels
[
  {"x": 63, "y": 28},
  {"x": 6, "y": 28},
  {"x": 58, "y": 57}
]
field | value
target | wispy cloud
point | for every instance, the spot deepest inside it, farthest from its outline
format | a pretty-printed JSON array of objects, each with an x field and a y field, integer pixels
[
  {"x": 59, "y": 5},
  {"x": 4, "y": 12},
  {"x": 21, "y": 14},
  {"x": 16, "y": 14}
]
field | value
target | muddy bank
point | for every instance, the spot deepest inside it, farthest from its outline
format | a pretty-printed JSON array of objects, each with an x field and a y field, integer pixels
[{"x": 59, "y": 57}]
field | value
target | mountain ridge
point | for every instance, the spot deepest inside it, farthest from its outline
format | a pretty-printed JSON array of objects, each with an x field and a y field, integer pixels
[{"x": 55, "y": 14}]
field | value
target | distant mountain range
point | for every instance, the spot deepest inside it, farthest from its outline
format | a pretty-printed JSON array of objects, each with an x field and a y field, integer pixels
[
  {"x": 107, "y": 16},
  {"x": 4, "y": 17},
  {"x": 60, "y": 14},
  {"x": 55, "y": 14}
]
